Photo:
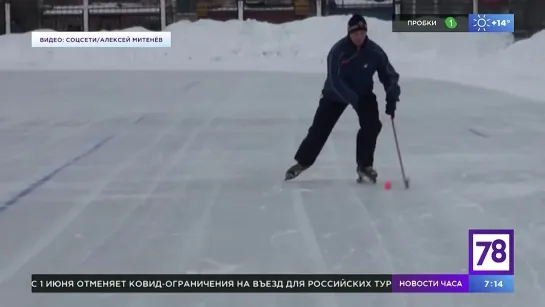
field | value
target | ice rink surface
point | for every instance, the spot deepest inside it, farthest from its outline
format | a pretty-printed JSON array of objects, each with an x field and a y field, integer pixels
[{"x": 182, "y": 172}]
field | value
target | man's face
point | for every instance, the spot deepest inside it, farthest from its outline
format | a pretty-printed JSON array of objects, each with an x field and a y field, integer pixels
[{"x": 357, "y": 37}]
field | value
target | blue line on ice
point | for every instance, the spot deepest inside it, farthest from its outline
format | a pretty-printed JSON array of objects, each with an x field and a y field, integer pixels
[{"x": 31, "y": 188}]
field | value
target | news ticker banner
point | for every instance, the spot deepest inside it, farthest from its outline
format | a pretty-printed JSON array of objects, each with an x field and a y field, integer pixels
[
  {"x": 277, "y": 283},
  {"x": 485, "y": 23},
  {"x": 102, "y": 39},
  {"x": 491, "y": 266}
]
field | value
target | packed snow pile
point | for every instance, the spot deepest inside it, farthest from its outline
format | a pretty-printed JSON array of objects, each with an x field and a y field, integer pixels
[
  {"x": 310, "y": 39},
  {"x": 299, "y": 46},
  {"x": 530, "y": 52}
]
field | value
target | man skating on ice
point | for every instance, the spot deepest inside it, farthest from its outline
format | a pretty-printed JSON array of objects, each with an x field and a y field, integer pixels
[{"x": 351, "y": 64}]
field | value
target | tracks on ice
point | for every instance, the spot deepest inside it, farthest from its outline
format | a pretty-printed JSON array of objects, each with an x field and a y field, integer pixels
[{"x": 48, "y": 237}]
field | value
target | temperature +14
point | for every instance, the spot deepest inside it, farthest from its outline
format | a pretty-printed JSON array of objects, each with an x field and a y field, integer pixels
[{"x": 491, "y": 23}]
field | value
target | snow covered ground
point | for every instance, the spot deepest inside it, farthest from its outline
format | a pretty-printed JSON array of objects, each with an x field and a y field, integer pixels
[{"x": 179, "y": 170}]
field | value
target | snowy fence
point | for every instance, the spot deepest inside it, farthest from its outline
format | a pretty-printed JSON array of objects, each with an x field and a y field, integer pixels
[
  {"x": 381, "y": 9},
  {"x": 92, "y": 15},
  {"x": 89, "y": 15}
]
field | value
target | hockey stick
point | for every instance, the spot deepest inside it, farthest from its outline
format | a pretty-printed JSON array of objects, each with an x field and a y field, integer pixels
[{"x": 405, "y": 178}]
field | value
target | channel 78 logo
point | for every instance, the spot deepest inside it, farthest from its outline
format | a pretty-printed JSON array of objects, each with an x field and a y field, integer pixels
[{"x": 491, "y": 252}]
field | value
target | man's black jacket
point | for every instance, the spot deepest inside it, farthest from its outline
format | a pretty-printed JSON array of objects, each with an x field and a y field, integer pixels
[{"x": 350, "y": 72}]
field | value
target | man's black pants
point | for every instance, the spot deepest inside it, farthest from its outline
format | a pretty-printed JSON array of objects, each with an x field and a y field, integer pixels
[{"x": 327, "y": 115}]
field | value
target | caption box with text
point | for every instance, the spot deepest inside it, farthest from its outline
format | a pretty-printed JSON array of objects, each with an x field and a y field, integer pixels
[
  {"x": 345, "y": 283},
  {"x": 485, "y": 23},
  {"x": 210, "y": 283}
]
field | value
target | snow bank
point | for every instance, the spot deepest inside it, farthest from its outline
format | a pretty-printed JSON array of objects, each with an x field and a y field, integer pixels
[{"x": 301, "y": 46}]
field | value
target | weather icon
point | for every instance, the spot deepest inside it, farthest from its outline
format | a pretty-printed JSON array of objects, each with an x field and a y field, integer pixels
[{"x": 481, "y": 23}]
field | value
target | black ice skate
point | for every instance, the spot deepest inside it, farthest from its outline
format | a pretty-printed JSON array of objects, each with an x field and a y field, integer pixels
[
  {"x": 368, "y": 173},
  {"x": 294, "y": 171}
]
